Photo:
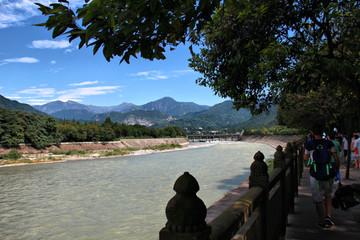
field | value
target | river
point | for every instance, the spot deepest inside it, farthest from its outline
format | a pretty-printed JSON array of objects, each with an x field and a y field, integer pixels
[{"x": 114, "y": 198}]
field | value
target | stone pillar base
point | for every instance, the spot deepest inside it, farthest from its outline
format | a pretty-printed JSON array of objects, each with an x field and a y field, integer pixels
[{"x": 166, "y": 234}]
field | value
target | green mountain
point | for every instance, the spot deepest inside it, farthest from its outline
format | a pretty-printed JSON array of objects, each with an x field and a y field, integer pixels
[
  {"x": 220, "y": 115},
  {"x": 146, "y": 118},
  {"x": 52, "y": 108},
  {"x": 262, "y": 120},
  {"x": 15, "y": 105},
  {"x": 70, "y": 114},
  {"x": 170, "y": 106}
]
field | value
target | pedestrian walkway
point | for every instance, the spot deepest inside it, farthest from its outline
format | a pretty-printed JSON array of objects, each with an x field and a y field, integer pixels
[{"x": 303, "y": 223}]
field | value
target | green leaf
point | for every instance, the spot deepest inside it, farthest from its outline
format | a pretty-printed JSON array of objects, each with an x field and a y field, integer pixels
[{"x": 58, "y": 30}]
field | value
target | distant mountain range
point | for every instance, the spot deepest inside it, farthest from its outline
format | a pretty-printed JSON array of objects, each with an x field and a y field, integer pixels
[
  {"x": 160, "y": 113},
  {"x": 57, "y": 107},
  {"x": 15, "y": 105},
  {"x": 166, "y": 105}
]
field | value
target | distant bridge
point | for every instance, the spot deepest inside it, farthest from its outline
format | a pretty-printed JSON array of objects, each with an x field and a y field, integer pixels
[{"x": 215, "y": 137}]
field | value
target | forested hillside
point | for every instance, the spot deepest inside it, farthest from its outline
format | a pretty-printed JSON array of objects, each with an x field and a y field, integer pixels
[
  {"x": 221, "y": 115},
  {"x": 41, "y": 131},
  {"x": 15, "y": 105},
  {"x": 146, "y": 118}
]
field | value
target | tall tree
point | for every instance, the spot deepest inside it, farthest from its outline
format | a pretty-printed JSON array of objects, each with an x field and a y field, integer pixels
[
  {"x": 258, "y": 53},
  {"x": 253, "y": 51},
  {"x": 327, "y": 106}
]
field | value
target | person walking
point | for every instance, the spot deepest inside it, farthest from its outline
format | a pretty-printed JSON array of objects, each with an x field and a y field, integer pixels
[
  {"x": 355, "y": 152},
  {"x": 345, "y": 147},
  {"x": 321, "y": 189},
  {"x": 336, "y": 141}
]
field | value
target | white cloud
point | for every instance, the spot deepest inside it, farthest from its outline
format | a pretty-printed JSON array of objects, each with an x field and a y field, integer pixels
[
  {"x": 83, "y": 92},
  {"x": 20, "y": 60},
  {"x": 34, "y": 101},
  {"x": 40, "y": 92},
  {"x": 16, "y": 12},
  {"x": 84, "y": 83},
  {"x": 52, "y": 62},
  {"x": 150, "y": 75},
  {"x": 1, "y": 87},
  {"x": 43, "y": 44}
]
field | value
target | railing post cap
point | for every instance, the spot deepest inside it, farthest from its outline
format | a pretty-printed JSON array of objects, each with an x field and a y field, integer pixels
[
  {"x": 186, "y": 184},
  {"x": 185, "y": 212},
  {"x": 258, "y": 175},
  {"x": 259, "y": 156}
]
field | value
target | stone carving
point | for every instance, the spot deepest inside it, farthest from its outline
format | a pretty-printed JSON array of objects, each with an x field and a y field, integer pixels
[
  {"x": 289, "y": 153},
  {"x": 259, "y": 172},
  {"x": 185, "y": 212},
  {"x": 279, "y": 158}
]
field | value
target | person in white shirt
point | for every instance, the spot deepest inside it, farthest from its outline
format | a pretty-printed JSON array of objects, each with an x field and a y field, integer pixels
[{"x": 345, "y": 148}]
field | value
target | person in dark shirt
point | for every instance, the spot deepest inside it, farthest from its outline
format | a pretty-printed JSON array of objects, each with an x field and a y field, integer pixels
[{"x": 321, "y": 189}]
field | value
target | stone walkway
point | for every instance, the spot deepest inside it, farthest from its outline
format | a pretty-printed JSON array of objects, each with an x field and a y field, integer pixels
[{"x": 303, "y": 223}]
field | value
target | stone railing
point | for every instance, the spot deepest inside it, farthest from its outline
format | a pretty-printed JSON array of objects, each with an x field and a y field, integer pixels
[{"x": 260, "y": 213}]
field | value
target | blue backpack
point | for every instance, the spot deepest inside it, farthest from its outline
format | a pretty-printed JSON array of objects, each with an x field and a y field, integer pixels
[{"x": 321, "y": 168}]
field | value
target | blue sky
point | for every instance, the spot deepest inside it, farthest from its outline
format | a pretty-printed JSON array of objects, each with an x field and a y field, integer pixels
[{"x": 36, "y": 69}]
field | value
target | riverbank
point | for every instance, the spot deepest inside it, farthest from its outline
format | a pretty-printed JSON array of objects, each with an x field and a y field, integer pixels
[
  {"x": 125, "y": 147},
  {"x": 274, "y": 140},
  {"x": 229, "y": 198},
  {"x": 92, "y": 150}
]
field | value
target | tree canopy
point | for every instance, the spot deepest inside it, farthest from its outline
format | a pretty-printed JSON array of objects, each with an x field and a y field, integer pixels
[
  {"x": 255, "y": 52},
  {"x": 129, "y": 27},
  {"x": 258, "y": 53},
  {"x": 42, "y": 131}
]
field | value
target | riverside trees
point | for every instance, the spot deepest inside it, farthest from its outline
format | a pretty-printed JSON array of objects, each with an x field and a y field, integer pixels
[
  {"x": 255, "y": 52},
  {"x": 42, "y": 131}
]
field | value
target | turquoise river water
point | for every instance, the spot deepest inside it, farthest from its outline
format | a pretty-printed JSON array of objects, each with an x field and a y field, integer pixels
[{"x": 114, "y": 198}]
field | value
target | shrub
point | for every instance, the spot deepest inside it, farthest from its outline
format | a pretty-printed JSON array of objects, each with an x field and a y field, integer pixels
[{"x": 13, "y": 154}]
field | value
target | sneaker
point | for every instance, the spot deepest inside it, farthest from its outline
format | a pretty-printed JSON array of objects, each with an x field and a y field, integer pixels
[
  {"x": 328, "y": 221},
  {"x": 323, "y": 225}
]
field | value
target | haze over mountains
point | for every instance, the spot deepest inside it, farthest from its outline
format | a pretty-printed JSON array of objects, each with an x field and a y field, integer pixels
[
  {"x": 160, "y": 113},
  {"x": 166, "y": 105}
]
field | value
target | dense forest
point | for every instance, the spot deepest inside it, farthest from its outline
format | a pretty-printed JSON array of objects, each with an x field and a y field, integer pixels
[{"x": 42, "y": 131}]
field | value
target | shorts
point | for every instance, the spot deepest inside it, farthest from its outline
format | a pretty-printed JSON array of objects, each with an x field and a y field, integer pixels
[{"x": 320, "y": 189}]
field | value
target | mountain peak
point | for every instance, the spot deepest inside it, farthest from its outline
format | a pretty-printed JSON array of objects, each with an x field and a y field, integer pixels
[{"x": 167, "y": 99}]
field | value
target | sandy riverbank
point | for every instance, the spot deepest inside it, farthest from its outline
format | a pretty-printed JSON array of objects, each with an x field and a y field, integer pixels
[
  {"x": 92, "y": 150},
  {"x": 97, "y": 150}
]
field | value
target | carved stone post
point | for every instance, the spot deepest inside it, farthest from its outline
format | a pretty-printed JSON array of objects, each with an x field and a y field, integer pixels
[
  {"x": 259, "y": 172},
  {"x": 279, "y": 158},
  {"x": 185, "y": 212},
  {"x": 289, "y": 153}
]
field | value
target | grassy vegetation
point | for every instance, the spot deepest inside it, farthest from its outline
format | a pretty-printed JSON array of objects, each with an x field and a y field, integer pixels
[
  {"x": 13, "y": 154},
  {"x": 163, "y": 147},
  {"x": 71, "y": 152},
  {"x": 270, "y": 164},
  {"x": 15, "y": 157}
]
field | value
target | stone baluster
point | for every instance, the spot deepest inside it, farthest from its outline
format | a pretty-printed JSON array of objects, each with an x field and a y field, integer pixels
[
  {"x": 279, "y": 158},
  {"x": 259, "y": 172},
  {"x": 289, "y": 152},
  {"x": 185, "y": 212}
]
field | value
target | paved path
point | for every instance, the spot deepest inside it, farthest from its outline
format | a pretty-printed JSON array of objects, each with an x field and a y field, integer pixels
[{"x": 303, "y": 223}]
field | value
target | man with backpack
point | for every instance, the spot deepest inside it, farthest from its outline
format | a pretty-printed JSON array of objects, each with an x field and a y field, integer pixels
[{"x": 322, "y": 171}]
